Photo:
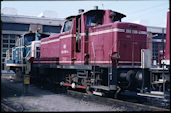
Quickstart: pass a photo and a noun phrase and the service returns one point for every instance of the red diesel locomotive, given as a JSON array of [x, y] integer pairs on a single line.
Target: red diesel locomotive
[[97, 52]]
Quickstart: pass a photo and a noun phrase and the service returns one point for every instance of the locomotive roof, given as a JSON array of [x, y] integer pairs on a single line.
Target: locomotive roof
[[95, 11]]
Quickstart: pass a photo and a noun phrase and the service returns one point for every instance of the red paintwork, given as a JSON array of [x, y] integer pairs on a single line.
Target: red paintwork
[[44, 50], [167, 48], [101, 42], [126, 45], [67, 84], [79, 86]]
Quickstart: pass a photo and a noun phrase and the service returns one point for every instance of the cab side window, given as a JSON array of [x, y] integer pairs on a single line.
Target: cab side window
[[93, 19], [90, 21]]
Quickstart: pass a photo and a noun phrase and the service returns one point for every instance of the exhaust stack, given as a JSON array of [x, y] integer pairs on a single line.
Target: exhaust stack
[[96, 7], [80, 11]]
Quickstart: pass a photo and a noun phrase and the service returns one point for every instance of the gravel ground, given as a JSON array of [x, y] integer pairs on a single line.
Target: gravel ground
[[44, 100], [61, 103]]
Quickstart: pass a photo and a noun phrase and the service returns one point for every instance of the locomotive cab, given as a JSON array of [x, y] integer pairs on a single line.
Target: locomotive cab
[[99, 17]]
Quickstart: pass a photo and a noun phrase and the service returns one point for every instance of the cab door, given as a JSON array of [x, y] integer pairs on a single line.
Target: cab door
[[66, 42], [77, 56]]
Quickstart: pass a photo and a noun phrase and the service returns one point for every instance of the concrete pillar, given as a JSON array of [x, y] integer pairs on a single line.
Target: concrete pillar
[[34, 27]]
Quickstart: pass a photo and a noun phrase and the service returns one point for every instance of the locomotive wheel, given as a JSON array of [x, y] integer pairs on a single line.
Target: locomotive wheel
[[138, 78], [130, 78]]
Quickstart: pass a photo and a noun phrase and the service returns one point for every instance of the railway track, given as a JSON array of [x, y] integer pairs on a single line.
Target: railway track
[[130, 106], [8, 91], [138, 105], [7, 106]]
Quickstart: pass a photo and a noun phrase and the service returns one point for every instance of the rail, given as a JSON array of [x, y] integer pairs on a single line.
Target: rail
[[8, 107], [110, 101]]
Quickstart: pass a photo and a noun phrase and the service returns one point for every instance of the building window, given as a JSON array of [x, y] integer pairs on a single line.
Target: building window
[[12, 41], [4, 55], [5, 36], [5, 41], [5, 45], [12, 36], [15, 26], [52, 29], [4, 50], [12, 46], [2, 66], [3, 60]]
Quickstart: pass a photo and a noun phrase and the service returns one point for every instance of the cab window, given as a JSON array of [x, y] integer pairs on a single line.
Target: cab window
[[28, 39], [90, 21], [94, 18], [116, 17], [67, 26]]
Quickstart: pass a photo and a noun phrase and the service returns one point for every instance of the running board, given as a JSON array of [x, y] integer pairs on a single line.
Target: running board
[[98, 93], [155, 95], [101, 87]]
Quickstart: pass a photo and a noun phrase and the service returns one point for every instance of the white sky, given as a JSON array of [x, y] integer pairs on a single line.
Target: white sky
[[150, 13]]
